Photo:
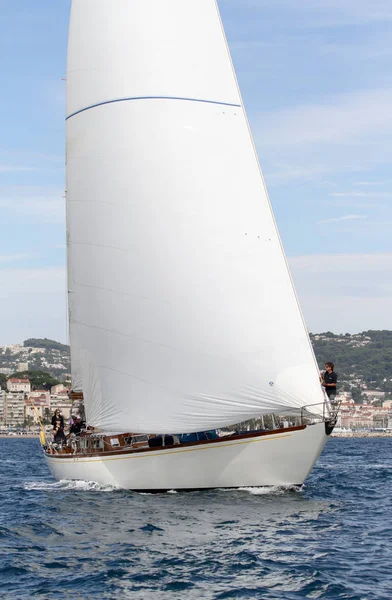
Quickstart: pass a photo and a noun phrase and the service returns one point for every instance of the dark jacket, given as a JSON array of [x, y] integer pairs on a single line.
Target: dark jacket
[[59, 435], [330, 378], [76, 427], [57, 418]]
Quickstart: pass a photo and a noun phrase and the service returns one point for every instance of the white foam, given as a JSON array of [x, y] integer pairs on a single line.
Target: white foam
[[336, 466], [159, 492], [64, 484], [265, 490]]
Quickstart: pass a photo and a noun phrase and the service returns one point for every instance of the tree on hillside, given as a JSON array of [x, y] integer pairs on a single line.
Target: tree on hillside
[[357, 395], [46, 417], [45, 343], [28, 422], [367, 355], [40, 380], [3, 381]]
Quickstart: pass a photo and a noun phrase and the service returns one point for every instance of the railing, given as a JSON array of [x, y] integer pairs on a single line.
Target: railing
[[329, 412]]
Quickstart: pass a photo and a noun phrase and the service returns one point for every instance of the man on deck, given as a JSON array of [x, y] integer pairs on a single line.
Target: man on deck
[[329, 381]]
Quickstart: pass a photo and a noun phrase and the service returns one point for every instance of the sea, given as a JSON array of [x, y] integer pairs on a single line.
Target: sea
[[80, 540]]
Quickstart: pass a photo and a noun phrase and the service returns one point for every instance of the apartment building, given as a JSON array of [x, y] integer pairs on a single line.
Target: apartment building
[[14, 384]]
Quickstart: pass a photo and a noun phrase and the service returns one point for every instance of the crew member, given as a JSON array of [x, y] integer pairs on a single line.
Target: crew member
[[57, 416], [329, 382]]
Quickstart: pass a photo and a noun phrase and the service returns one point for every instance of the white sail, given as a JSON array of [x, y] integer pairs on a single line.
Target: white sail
[[184, 317]]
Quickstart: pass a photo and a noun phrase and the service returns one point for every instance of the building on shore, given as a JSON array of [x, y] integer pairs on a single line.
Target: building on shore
[[37, 406], [62, 402], [2, 407], [363, 416], [14, 410], [14, 384], [56, 389]]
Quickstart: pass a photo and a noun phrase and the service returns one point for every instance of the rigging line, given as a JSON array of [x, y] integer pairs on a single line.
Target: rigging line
[[77, 112]]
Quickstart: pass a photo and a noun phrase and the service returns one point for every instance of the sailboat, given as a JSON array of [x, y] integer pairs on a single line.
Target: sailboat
[[183, 318]]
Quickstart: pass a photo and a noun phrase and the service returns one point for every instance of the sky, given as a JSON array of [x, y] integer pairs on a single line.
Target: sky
[[316, 81]]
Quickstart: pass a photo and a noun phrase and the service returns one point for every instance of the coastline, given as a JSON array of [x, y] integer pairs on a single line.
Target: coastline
[[361, 434], [25, 436], [345, 434]]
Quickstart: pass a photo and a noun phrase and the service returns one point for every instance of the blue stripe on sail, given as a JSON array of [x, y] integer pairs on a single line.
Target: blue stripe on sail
[[151, 98]]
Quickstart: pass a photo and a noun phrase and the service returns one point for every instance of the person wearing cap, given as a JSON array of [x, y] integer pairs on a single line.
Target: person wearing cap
[[76, 426]]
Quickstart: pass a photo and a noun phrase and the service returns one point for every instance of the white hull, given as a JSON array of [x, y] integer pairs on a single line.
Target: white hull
[[278, 459]]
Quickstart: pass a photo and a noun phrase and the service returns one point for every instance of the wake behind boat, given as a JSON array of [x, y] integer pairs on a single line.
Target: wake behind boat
[[182, 312]]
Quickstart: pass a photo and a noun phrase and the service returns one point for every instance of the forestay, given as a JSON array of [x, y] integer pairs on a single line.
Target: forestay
[[183, 316]]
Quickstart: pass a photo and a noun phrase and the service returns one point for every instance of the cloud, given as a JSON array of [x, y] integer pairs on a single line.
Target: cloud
[[338, 196], [30, 156], [326, 13], [371, 266], [349, 194], [361, 194], [39, 280], [15, 169], [369, 196], [346, 134], [13, 257], [359, 205], [344, 218], [281, 173], [30, 163], [337, 292], [344, 292], [34, 301], [369, 183], [344, 119], [34, 203], [252, 45]]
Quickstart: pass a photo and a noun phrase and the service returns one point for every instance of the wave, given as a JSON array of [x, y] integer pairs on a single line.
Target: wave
[[346, 466], [66, 484], [266, 490]]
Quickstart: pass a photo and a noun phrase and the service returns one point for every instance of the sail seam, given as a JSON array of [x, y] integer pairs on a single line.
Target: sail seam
[[144, 340], [268, 397], [225, 401], [77, 112]]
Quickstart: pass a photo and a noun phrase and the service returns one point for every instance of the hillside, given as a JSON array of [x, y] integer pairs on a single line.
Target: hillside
[[362, 358], [45, 343], [36, 354]]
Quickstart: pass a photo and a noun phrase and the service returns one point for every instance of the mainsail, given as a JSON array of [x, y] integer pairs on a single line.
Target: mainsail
[[183, 316]]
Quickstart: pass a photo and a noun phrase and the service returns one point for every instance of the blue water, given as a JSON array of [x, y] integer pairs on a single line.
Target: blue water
[[332, 539]]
